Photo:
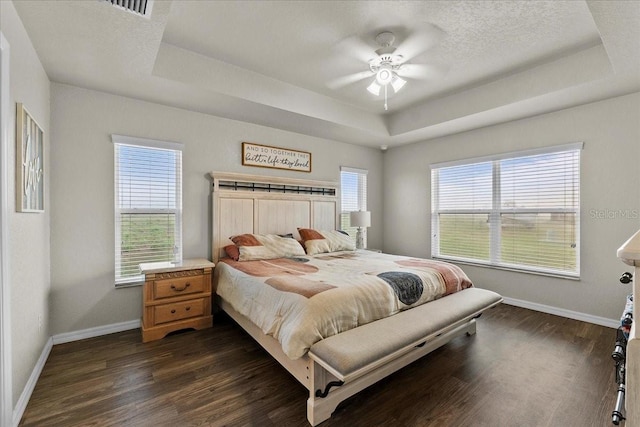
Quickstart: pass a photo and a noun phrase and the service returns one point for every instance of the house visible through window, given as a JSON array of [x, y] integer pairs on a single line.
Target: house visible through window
[[148, 205], [519, 211], [353, 190]]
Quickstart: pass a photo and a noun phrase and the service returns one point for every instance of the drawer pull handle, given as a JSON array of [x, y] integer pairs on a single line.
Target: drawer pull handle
[[186, 285], [173, 312], [188, 308]]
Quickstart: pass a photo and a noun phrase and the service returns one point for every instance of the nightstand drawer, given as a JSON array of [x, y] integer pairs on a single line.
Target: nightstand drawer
[[167, 288], [178, 311]]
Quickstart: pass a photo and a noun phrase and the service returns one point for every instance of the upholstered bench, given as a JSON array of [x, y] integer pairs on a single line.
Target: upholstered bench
[[359, 357]]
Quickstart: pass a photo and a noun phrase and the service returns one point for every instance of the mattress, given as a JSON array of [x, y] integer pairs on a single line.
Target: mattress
[[300, 301]]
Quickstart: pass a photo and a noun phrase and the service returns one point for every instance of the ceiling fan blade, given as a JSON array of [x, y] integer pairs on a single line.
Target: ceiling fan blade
[[355, 47], [423, 71], [339, 82], [421, 40]]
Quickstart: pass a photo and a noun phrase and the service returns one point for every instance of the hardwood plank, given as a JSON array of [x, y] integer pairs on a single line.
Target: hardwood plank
[[522, 368]]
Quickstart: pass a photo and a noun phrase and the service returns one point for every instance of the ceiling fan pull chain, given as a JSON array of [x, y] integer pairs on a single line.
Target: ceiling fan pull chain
[[385, 98]]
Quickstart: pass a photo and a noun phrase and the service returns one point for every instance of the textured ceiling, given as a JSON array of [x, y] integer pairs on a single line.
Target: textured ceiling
[[300, 41], [268, 62]]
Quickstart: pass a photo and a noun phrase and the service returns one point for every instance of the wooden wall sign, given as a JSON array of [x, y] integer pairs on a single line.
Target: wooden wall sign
[[265, 156]]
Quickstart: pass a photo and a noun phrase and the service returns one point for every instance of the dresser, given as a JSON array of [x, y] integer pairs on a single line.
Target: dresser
[[629, 253], [175, 296]]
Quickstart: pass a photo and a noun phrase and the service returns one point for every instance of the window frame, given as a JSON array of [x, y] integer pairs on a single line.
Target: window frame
[[496, 211], [361, 194], [121, 140]]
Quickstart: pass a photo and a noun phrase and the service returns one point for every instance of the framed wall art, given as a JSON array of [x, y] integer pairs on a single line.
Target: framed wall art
[[29, 163], [266, 156]]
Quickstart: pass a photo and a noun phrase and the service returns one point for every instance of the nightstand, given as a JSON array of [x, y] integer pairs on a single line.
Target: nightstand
[[175, 296]]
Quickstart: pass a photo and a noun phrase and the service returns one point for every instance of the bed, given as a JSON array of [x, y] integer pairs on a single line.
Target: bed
[[366, 314]]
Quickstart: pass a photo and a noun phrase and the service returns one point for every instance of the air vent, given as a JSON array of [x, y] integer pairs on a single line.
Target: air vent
[[139, 7]]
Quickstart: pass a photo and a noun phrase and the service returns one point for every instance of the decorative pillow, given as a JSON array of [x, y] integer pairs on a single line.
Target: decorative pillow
[[245, 240], [266, 246], [318, 242], [232, 252]]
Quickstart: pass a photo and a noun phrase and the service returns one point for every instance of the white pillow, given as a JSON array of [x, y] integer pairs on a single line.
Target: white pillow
[[266, 246], [322, 241]]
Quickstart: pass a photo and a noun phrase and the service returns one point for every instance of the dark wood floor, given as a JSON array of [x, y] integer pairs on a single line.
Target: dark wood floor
[[523, 368]]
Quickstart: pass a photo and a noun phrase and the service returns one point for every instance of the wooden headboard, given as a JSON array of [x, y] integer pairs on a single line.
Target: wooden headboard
[[269, 205]]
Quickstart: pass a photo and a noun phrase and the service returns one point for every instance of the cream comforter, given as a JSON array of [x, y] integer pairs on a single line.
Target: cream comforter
[[300, 301]]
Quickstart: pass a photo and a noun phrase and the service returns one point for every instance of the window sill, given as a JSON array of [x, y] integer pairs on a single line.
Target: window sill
[[512, 269], [128, 284]]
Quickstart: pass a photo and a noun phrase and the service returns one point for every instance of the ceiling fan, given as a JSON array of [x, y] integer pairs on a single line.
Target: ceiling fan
[[390, 64]]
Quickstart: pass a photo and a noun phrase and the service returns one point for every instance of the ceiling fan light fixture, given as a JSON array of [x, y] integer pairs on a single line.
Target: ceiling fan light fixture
[[374, 88], [397, 83], [384, 76], [390, 61]]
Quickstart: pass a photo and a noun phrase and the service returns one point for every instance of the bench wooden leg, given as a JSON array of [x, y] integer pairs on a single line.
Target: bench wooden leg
[[471, 330], [319, 409]]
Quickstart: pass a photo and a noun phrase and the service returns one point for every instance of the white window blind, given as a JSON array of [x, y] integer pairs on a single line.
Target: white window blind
[[148, 205], [353, 191], [519, 211]]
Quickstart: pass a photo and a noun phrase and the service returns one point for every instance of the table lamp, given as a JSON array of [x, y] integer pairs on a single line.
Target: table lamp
[[360, 219]]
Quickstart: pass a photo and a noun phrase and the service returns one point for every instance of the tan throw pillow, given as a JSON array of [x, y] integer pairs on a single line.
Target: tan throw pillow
[[323, 241], [266, 246]]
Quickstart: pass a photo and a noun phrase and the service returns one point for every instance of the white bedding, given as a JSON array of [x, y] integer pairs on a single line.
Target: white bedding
[[302, 300]]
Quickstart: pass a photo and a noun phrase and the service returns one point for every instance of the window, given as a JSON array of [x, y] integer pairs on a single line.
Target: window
[[148, 205], [519, 211], [353, 190]]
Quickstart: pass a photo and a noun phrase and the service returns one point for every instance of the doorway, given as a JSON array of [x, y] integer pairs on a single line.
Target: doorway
[[6, 397]]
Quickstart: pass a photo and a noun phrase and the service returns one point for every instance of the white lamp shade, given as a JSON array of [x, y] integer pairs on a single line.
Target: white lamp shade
[[360, 218], [397, 83], [374, 88]]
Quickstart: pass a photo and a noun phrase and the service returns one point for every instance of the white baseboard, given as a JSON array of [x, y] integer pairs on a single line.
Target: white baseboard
[[20, 407], [95, 332], [602, 321]]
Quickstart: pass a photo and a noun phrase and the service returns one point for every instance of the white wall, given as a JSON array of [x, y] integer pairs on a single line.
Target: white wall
[[29, 251], [82, 219], [610, 188]]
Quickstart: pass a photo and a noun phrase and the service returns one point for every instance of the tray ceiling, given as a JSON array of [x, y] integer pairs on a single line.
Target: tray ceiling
[[268, 62]]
